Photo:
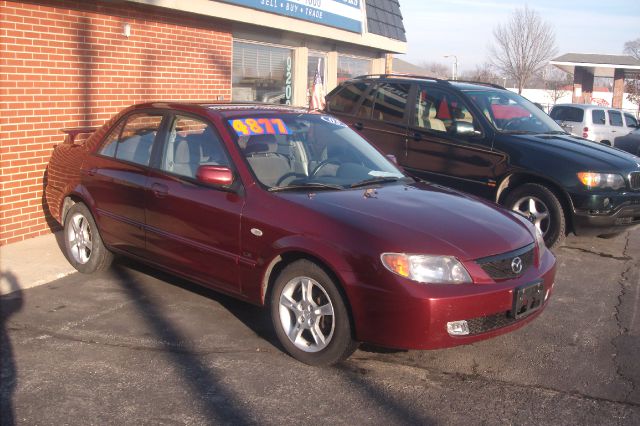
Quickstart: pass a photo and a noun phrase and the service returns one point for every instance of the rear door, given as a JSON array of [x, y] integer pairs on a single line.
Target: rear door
[[439, 151], [616, 125], [570, 118], [382, 118], [193, 228], [116, 176]]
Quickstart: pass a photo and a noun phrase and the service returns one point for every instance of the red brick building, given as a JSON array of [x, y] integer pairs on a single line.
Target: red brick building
[[76, 63]]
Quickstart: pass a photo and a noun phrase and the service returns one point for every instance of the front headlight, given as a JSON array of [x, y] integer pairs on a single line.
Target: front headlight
[[426, 269], [601, 180]]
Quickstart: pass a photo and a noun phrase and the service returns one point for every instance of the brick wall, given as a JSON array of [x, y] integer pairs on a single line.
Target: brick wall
[[66, 64]]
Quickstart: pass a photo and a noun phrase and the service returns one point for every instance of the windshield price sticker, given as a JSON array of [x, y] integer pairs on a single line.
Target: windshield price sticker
[[259, 126]]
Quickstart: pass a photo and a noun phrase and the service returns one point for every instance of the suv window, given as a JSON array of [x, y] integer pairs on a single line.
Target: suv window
[[437, 110], [630, 120], [615, 118], [597, 116], [390, 102], [346, 99], [191, 144], [566, 113]]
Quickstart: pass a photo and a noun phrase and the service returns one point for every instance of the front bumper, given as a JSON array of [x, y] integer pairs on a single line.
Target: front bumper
[[605, 213], [418, 319]]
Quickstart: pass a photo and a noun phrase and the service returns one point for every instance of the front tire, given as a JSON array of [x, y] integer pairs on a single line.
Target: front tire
[[83, 245], [544, 209], [309, 315]]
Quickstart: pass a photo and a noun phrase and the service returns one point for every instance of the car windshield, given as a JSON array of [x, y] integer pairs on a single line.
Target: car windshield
[[293, 151], [511, 113]]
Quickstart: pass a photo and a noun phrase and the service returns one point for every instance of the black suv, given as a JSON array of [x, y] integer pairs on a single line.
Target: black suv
[[491, 142]]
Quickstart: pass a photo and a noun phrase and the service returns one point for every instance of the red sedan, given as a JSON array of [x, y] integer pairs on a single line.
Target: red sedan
[[294, 210]]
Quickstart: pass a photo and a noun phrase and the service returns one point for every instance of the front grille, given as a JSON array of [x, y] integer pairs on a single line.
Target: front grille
[[492, 322], [500, 267], [634, 180]]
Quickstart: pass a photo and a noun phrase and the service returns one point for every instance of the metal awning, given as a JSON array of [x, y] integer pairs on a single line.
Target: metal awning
[[600, 65]]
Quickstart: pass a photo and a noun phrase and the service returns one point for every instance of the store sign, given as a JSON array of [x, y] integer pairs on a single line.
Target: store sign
[[343, 14]]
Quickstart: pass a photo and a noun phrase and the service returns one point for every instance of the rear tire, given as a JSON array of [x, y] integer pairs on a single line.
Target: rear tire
[[542, 205], [309, 315], [84, 248]]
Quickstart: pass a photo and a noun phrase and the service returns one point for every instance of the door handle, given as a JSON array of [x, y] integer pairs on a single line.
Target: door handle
[[160, 190], [358, 126], [92, 172]]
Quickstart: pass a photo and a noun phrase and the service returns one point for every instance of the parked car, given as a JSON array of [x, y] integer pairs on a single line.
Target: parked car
[[594, 122], [295, 211], [629, 143], [491, 142]]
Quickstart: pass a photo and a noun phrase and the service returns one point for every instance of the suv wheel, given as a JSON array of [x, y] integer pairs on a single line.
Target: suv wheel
[[84, 247], [542, 206], [309, 315]]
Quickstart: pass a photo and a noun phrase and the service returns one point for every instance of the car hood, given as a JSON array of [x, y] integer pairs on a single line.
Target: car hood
[[420, 218], [587, 154]]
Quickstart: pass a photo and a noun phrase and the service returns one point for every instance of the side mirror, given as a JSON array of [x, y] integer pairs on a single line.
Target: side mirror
[[220, 176], [465, 128], [392, 158]]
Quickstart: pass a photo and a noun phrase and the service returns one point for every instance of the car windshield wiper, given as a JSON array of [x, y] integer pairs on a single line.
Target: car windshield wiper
[[379, 179], [555, 132], [310, 185], [518, 132]]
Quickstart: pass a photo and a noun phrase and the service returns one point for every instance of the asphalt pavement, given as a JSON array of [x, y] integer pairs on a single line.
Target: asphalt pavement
[[136, 346]]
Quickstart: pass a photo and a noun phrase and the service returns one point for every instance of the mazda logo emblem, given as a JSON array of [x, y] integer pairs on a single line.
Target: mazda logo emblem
[[516, 265]]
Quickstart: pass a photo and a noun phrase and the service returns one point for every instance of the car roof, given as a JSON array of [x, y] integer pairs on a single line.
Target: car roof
[[586, 106], [224, 108]]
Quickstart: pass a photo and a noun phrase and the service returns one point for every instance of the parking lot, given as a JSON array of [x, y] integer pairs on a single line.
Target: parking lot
[[135, 346]]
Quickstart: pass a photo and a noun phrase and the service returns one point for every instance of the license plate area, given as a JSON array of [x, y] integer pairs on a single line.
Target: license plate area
[[527, 299]]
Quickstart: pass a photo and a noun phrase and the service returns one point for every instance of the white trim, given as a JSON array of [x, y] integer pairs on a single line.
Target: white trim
[[591, 65]]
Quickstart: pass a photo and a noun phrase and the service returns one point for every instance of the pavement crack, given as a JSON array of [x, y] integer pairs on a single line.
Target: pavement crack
[[474, 376], [622, 330], [600, 254]]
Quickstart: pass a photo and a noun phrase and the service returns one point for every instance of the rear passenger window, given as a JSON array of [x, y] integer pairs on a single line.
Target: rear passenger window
[[615, 118], [390, 102], [110, 143], [568, 114], [192, 143], [347, 98], [597, 116], [137, 138]]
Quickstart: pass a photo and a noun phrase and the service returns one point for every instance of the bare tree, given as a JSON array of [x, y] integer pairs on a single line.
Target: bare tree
[[632, 47], [483, 73], [556, 82], [523, 46], [632, 85], [436, 69]]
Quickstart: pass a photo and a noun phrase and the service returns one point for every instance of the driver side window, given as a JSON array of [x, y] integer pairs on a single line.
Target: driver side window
[[439, 111]]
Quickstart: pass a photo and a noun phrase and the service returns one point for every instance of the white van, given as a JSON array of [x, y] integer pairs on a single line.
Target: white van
[[593, 122]]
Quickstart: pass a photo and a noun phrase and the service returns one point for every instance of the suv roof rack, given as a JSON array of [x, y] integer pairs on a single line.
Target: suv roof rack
[[410, 76], [482, 83], [426, 77]]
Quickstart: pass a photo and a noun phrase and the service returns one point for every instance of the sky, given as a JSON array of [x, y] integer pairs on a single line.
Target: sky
[[464, 28]]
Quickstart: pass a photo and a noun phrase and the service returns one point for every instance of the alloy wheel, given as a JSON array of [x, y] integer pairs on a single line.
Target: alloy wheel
[[80, 239], [536, 210]]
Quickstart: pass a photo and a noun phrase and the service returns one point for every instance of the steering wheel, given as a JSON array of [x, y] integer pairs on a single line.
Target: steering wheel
[[323, 164], [515, 123], [288, 175]]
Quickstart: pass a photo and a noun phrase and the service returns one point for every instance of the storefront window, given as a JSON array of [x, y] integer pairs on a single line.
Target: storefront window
[[317, 61], [349, 67], [262, 73]]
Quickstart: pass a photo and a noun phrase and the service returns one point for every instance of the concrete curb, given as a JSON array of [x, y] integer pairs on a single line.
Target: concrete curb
[[32, 262]]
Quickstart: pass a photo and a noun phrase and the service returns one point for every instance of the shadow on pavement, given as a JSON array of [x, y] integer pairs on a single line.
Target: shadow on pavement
[[218, 403], [9, 305]]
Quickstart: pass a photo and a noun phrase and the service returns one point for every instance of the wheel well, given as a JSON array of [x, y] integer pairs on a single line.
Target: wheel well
[[68, 202], [605, 142], [514, 181], [283, 260]]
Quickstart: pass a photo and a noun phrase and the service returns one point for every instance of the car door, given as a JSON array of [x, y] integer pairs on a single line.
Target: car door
[[617, 126], [446, 144], [382, 117], [192, 227], [600, 128], [115, 178]]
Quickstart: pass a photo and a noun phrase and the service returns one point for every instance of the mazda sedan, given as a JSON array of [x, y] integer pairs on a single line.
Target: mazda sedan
[[293, 210]]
